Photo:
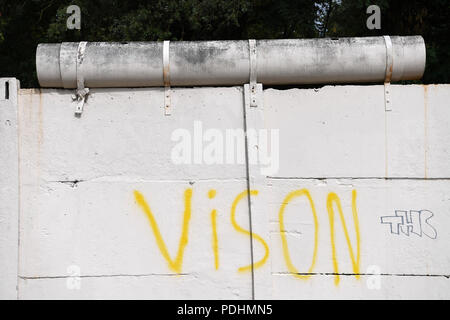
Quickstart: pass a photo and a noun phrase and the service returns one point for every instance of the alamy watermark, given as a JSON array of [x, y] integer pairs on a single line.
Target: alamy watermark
[[74, 20], [373, 281], [219, 146], [374, 20], [73, 281]]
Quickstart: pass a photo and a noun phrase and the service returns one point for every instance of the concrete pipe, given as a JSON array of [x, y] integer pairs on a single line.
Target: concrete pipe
[[203, 63]]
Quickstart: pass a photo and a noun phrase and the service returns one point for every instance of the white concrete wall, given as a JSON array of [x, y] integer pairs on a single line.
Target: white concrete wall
[[84, 235], [9, 188]]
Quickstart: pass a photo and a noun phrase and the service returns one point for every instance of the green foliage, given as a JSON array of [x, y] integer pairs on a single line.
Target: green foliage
[[24, 24]]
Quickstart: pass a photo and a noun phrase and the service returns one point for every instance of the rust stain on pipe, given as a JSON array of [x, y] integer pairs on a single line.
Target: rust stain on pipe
[[166, 75]]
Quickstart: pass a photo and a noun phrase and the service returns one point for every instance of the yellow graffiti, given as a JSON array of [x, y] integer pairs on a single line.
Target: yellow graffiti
[[332, 197], [261, 262], [332, 203], [211, 193], [287, 257], [176, 264], [215, 241]]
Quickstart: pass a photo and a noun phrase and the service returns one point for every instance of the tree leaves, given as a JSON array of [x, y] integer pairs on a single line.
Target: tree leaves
[[24, 24]]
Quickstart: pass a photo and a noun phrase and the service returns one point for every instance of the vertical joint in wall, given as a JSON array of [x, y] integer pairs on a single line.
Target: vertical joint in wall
[[253, 121]]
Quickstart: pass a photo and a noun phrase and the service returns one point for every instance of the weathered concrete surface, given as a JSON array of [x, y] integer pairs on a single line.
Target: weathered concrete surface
[[77, 179], [9, 188], [123, 133], [84, 234], [346, 132], [341, 140]]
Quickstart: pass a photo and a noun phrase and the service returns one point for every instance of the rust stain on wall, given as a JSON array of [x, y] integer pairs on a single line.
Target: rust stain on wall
[[40, 128]]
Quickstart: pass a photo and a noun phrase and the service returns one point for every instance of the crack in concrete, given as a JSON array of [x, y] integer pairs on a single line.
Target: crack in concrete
[[363, 274], [106, 276], [288, 232], [356, 178], [110, 179], [72, 183]]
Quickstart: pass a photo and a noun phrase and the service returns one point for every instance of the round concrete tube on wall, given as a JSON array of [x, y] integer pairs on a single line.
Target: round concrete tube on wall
[[203, 63]]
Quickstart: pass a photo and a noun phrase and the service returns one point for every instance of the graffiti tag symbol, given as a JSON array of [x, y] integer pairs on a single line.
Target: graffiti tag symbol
[[412, 221]]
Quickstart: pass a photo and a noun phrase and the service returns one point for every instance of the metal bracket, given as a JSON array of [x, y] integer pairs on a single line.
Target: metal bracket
[[81, 92], [166, 76], [387, 97], [388, 74], [253, 97], [252, 87]]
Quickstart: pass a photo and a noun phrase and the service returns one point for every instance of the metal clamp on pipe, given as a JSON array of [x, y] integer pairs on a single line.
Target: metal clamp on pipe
[[253, 66], [166, 76], [81, 92], [252, 90]]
